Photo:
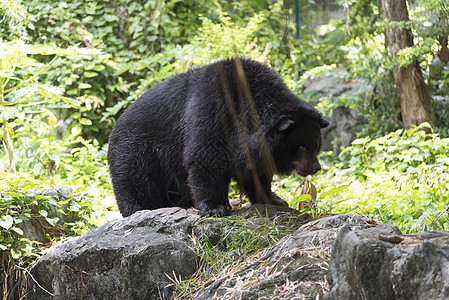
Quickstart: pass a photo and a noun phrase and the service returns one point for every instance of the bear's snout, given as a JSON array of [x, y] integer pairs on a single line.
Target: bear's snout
[[316, 167], [307, 166]]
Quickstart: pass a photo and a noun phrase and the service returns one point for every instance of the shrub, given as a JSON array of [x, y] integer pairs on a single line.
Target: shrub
[[401, 178]]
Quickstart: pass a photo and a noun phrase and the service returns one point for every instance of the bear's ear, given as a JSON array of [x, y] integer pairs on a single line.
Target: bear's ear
[[284, 123], [323, 123]]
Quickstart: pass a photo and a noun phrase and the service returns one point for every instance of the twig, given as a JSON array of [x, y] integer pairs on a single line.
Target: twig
[[9, 148], [346, 7], [32, 77], [35, 281]]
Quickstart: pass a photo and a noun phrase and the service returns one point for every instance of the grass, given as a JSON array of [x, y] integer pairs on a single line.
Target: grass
[[241, 240]]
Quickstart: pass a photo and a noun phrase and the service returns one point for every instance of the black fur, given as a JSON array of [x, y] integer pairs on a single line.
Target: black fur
[[182, 142]]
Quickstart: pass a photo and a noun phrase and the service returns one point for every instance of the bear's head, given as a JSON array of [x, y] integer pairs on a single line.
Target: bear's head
[[300, 143]]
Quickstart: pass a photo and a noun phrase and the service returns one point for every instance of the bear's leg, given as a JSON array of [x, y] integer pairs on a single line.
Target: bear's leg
[[126, 199], [210, 192], [257, 189], [259, 192], [138, 192]]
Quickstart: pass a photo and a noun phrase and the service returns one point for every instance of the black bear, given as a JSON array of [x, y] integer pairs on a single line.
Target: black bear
[[182, 142]]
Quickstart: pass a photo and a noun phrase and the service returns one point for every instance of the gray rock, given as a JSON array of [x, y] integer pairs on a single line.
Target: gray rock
[[58, 192], [389, 267], [344, 121], [294, 268], [33, 229], [134, 257], [334, 83], [124, 259]]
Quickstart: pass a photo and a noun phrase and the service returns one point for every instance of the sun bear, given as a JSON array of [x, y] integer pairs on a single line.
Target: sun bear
[[184, 140]]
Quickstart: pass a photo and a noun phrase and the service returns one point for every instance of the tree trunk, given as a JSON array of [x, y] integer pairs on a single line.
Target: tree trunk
[[411, 90], [443, 55]]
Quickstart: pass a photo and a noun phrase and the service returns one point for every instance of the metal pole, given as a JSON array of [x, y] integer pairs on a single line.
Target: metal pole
[[297, 18]]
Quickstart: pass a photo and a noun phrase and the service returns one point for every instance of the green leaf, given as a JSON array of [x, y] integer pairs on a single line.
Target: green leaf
[[15, 254], [17, 230], [76, 130], [359, 141], [12, 194], [74, 206], [90, 74], [99, 68], [43, 213], [85, 121], [6, 222], [52, 221], [72, 92], [51, 119], [300, 198], [143, 47], [334, 191], [84, 86]]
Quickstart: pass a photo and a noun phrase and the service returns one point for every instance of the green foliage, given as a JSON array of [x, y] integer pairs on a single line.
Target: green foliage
[[320, 50], [31, 216], [37, 160], [357, 43], [226, 40], [365, 17], [14, 20], [300, 193], [25, 102], [215, 41], [429, 20], [88, 79], [132, 34], [363, 55], [123, 27], [400, 178], [158, 67], [71, 161]]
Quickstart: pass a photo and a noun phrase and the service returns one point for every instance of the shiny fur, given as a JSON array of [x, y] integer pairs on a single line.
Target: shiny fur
[[182, 142]]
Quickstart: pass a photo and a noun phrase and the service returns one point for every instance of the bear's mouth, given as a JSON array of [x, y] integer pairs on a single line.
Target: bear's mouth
[[301, 172], [299, 168]]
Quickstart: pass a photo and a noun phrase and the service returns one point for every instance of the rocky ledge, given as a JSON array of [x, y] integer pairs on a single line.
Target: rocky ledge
[[334, 257]]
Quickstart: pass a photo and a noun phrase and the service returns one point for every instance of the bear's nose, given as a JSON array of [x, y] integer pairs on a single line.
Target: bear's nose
[[315, 168]]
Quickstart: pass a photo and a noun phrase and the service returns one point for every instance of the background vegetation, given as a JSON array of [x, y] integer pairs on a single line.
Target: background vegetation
[[69, 68]]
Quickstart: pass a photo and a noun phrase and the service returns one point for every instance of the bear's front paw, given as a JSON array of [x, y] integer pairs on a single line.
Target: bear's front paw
[[278, 201], [214, 209]]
